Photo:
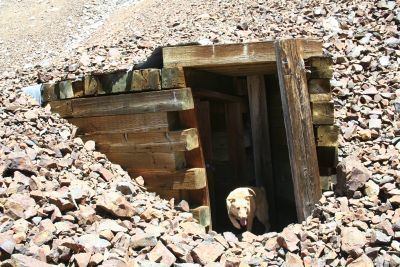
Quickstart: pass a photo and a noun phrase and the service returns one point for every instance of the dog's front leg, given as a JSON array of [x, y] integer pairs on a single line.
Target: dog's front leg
[[250, 223], [234, 221]]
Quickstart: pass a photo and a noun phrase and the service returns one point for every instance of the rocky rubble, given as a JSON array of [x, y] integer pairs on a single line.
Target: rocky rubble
[[64, 203]]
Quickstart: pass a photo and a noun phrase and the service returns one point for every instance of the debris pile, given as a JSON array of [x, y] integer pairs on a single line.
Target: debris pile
[[64, 203]]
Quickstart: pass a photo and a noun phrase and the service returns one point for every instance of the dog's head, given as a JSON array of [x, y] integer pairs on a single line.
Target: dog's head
[[239, 208]]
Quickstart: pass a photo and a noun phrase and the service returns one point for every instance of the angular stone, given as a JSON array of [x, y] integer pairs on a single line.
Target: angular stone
[[93, 243], [27, 261], [293, 260], [192, 228], [162, 255], [207, 252], [115, 204], [371, 189], [288, 240], [351, 176], [352, 238], [143, 240], [362, 261]]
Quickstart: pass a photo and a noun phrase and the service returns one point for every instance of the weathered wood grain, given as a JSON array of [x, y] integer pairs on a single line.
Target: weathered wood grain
[[133, 123], [168, 100], [327, 135], [298, 124], [184, 140], [320, 67], [173, 78], [150, 161], [319, 86], [261, 138], [323, 112], [229, 54], [146, 79], [187, 179]]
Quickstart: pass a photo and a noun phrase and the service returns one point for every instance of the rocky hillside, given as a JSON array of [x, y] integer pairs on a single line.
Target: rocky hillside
[[63, 203]]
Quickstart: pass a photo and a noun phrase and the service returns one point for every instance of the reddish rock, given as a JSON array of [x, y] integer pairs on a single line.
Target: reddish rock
[[162, 255], [293, 260], [351, 176], [207, 252], [362, 261], [115, 204], [288, 240], [192, 228], [352, 238]]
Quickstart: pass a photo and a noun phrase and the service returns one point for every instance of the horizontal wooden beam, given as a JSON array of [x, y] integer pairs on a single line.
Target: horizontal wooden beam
[[133, 123], [322, 112], [327, 135], [188, 179], [146, 142], [146, 79], [229, 54], [157, 101], [173, 78], [150, 161]]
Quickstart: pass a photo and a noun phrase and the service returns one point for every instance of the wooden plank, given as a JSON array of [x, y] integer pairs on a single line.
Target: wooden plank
[[92, 85], [133, 123], [184, 140], [320, 97], [115, 82], [319, 86], [188, 179], [229, 54], [168, 100], [172, 78], [146, 79], [49, 92], [202, 215], [298, 124], [237, 150], [320, 67], [151, 161], [261, 139], [323, 113], [327, 135]]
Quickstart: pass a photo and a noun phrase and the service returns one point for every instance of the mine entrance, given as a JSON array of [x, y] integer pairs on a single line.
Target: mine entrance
[[199, 121]]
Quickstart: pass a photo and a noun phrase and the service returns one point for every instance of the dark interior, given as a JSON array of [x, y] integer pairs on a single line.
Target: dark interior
[[225, 128]]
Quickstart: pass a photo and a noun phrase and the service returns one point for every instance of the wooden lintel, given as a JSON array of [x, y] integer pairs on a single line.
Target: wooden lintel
[[230, 54], [146, 142], [298, 124], [188, 179], [157, 101]]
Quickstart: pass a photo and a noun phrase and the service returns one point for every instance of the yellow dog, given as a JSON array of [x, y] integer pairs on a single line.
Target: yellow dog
[[245, 203]]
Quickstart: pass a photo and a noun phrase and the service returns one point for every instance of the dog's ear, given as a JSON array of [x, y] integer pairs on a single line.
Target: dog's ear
[[230, 200]]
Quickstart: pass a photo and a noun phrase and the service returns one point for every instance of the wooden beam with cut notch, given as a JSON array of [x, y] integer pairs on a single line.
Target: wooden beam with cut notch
[[145, 102], [298, 124], [149, 160], [184, 140], [203, 215], [187, 179], [132, 123]]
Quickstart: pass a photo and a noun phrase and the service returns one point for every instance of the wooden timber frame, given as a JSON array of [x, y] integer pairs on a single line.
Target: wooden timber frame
[[152, 123]]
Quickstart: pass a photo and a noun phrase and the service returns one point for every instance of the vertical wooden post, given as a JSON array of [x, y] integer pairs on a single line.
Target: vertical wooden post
[[261, 140], [237, 151], [205, 134], [298, 124]]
